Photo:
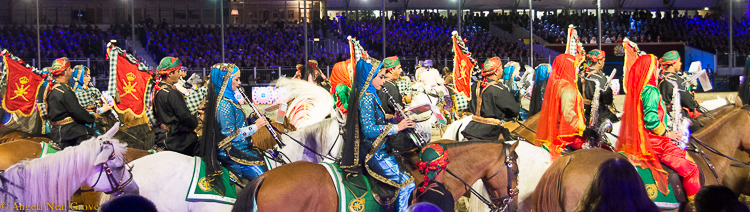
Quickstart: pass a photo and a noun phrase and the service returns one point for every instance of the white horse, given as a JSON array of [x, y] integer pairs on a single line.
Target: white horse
[[165, 176], [423, 94], [49, 182]]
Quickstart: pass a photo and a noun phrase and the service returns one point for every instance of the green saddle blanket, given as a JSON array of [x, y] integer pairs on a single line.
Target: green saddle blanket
[[200, 189], [352, 198], [663, 201], [46, 150]]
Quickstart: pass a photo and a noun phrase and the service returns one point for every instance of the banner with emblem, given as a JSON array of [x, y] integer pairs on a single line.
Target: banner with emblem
[[463, 65], [22, 82], [129, 82]]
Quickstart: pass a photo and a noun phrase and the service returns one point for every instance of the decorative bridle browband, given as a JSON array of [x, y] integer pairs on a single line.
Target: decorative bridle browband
[[113, 183]]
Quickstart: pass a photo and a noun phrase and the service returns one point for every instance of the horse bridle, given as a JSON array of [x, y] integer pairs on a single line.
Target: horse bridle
[[507, 200], [113, 183]]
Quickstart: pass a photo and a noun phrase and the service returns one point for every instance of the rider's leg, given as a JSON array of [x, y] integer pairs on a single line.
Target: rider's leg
[[678, 160], [386, 165]]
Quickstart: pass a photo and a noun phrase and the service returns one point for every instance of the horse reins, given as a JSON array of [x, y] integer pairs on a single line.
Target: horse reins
[[308, 148], [524, 126], [512, 191], [113, 183]]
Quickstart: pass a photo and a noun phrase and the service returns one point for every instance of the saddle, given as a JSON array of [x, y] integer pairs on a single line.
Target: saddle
[[675, 180], [384, 194]]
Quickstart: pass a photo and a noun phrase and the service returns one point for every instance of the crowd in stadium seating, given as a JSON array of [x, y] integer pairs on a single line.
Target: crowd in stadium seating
[[245, 46], [708, 33], [427, 35], [57, 41]]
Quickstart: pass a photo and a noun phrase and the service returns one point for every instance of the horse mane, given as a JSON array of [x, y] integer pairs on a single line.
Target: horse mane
[[54, 178], [720, 121], [308, 135], [716, 113], [309, 103], [546, 196]]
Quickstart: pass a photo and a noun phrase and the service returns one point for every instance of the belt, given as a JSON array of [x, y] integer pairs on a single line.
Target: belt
[[66, 120], [490, 121]]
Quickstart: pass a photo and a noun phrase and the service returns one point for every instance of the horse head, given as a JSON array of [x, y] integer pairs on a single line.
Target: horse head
[[503, 183], [493, 162], [110, 175]]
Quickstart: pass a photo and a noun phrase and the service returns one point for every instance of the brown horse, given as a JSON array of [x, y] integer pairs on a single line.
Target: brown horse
[[20, 149], [566, 180], [310, 188]]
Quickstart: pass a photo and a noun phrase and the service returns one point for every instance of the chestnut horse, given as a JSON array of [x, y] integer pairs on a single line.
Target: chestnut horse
[[310, 188], [566, 180]]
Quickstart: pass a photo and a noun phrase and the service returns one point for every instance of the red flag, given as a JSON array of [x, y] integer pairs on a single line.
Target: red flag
[[131, 86], [462, 66], [631, 55], [22, 87]]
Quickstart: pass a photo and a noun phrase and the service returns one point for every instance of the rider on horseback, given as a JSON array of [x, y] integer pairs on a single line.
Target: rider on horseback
[[226, 137], [392, 67], [366, 121], [88, 96], [540, 84], [492, 105], [68, 118], [644, 136], [171, 111], [592, 68], [671, 66], [561, 123]]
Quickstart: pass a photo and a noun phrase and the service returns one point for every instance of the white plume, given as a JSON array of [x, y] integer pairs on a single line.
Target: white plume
[[310, 103]]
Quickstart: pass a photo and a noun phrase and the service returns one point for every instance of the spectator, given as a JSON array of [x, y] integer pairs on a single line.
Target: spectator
[[423, 207], [616, 187], [128, 203], [717, 198]]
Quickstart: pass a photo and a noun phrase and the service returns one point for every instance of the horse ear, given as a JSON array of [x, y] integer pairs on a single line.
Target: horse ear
[[514, 145], [738, 102], [111, 132], [103, 155]]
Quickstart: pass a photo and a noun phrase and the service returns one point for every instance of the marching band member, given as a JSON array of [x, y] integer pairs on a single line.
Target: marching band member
[[68, 118], [226, 134], [644, 137], [561, 123], [492, 105], [593, 69], [366, 121], [171, 111]]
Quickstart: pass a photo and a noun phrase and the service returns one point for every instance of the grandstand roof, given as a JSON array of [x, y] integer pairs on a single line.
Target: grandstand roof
[[509, 4]]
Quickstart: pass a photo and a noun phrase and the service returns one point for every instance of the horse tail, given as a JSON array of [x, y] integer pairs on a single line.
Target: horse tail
[[246, 197], [548, 192]]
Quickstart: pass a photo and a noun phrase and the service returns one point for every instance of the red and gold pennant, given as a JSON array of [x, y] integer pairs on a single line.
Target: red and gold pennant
[[22, 87], [131, 86], [462, 66]]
